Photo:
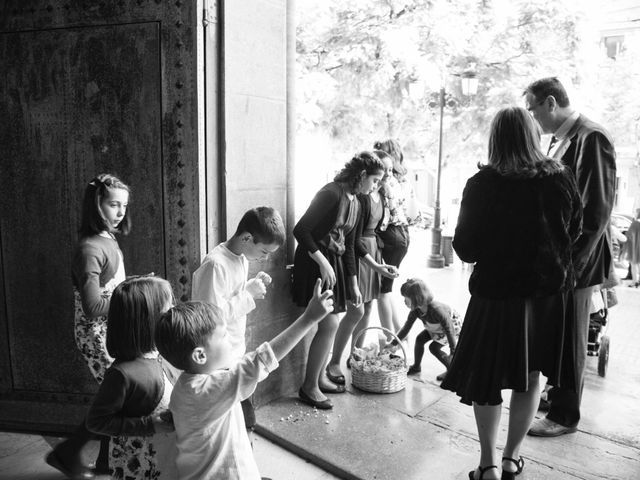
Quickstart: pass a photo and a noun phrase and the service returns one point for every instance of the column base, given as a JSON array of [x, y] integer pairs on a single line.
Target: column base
[[435, 261]]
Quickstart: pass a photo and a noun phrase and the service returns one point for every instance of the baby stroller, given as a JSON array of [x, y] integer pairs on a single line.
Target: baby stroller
[[598, 342]]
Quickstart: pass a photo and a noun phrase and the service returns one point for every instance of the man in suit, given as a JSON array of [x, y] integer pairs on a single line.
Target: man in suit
[[587, 150]]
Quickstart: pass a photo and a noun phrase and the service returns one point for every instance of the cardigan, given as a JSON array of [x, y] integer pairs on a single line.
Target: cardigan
[[318, 221], [129, 393], [519, 232], [365, 212], [95, 262]]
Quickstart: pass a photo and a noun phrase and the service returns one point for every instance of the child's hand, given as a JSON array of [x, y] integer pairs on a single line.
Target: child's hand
[[321, 303], [391, 347], [265, 277], [256, 288], [163, 422]]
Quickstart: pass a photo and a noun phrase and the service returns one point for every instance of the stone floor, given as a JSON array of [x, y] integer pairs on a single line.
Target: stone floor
[[423, 432]]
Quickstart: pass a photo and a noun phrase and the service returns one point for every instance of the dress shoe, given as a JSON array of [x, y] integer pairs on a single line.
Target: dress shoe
[[74, 472], [319, 404], [413, 369], [547, 428]]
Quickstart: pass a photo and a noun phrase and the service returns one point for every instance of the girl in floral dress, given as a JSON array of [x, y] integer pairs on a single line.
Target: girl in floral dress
[[132, 403], [97, 268]]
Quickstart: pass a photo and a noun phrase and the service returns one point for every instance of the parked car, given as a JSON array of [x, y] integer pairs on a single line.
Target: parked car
[[621, 221]]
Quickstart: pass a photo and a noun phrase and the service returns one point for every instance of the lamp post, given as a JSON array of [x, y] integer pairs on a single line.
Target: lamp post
[[469, 85]]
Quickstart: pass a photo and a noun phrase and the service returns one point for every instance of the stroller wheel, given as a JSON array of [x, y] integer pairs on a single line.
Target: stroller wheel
[[603, 356]]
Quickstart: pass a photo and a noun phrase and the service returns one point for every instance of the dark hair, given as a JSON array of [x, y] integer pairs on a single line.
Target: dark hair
[[392, 147], [550, 86], [92, 220], [351, 172], [264, 224], [183, 328], [382, 155], [417, 292], [514, 145], [136, 305]]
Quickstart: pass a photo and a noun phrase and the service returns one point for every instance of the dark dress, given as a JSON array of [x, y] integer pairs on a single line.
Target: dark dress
[[519, 233], [328, 225], [370, 219]]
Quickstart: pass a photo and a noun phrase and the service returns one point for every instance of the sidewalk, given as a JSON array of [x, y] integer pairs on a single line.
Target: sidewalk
[[424, 432]]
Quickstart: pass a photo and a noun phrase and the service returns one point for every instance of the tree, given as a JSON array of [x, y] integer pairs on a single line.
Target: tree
[[359, 62]]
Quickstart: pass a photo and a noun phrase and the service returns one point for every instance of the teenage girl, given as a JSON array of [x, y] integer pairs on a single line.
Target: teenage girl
[[394, 230], [441, 324], [131, 405], [326, 234], [371, 269], [96, 270]]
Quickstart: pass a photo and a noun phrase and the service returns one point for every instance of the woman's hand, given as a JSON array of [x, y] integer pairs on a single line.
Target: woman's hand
[[327, 274], [389, 271]]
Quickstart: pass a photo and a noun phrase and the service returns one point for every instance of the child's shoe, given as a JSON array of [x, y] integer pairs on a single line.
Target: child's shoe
[[414, 369]]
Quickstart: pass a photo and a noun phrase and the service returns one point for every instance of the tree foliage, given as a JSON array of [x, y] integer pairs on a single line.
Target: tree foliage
[[372, 69]]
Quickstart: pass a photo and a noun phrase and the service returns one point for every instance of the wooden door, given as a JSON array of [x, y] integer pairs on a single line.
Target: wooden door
[[87, 88]]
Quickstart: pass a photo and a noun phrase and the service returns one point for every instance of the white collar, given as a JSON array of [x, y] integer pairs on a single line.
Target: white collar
[[566, 126]]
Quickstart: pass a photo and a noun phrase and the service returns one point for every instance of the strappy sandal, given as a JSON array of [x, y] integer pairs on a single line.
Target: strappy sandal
[[519, 466], [482, 470]]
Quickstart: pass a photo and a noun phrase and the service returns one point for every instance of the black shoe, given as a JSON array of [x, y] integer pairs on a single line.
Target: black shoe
[[414, 369], [74, 472], [321, 405]]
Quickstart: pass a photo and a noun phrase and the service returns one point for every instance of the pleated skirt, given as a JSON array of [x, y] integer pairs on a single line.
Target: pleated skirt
[[502, 341]]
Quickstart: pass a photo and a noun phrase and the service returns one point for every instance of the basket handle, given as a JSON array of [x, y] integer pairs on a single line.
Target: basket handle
[[404, 353]]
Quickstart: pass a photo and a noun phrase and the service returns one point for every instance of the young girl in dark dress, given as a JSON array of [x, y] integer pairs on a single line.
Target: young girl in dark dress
[[371, 270], [326, 234], [519, 218]]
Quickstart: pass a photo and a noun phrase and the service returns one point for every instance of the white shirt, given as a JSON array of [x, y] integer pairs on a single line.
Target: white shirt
[[561, 135], [222, 280], [211, 434]]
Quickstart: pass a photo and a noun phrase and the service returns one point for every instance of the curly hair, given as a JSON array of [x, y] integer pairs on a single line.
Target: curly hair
[[351, 173]]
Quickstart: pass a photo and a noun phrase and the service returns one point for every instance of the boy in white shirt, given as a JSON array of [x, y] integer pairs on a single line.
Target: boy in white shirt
[[205, 403], [221, 279]]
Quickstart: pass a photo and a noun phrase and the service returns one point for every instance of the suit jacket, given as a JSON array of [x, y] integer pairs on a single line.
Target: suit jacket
[[588, 152]]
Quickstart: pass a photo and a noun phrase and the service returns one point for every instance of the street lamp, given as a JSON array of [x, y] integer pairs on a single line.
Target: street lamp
[[469, 86]]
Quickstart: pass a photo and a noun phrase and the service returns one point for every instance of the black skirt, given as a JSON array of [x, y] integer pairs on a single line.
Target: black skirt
[[305, 273], [502, 341]]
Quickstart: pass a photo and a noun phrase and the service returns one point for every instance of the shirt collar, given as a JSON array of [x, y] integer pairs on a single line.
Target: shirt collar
[[566, 126]]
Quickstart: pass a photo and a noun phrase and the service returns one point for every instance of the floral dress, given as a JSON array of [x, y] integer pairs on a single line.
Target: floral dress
[[91, 332], [146, 458]]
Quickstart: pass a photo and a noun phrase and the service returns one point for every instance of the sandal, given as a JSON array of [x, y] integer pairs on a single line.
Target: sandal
[[519, 466], [482, 471]]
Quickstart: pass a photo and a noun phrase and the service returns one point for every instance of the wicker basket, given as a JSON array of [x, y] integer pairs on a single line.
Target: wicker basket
[[379, 382]]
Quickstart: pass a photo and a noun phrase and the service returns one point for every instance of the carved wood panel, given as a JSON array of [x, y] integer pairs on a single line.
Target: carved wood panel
[[87, 87]]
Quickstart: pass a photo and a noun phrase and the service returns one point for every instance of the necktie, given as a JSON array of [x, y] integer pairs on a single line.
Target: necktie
[[553, 141]]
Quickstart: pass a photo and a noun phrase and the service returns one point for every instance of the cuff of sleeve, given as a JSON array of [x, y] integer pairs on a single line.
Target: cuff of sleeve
[[267, 357]]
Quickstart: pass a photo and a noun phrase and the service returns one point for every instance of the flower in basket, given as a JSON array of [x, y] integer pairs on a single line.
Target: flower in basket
[[370, 359]]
